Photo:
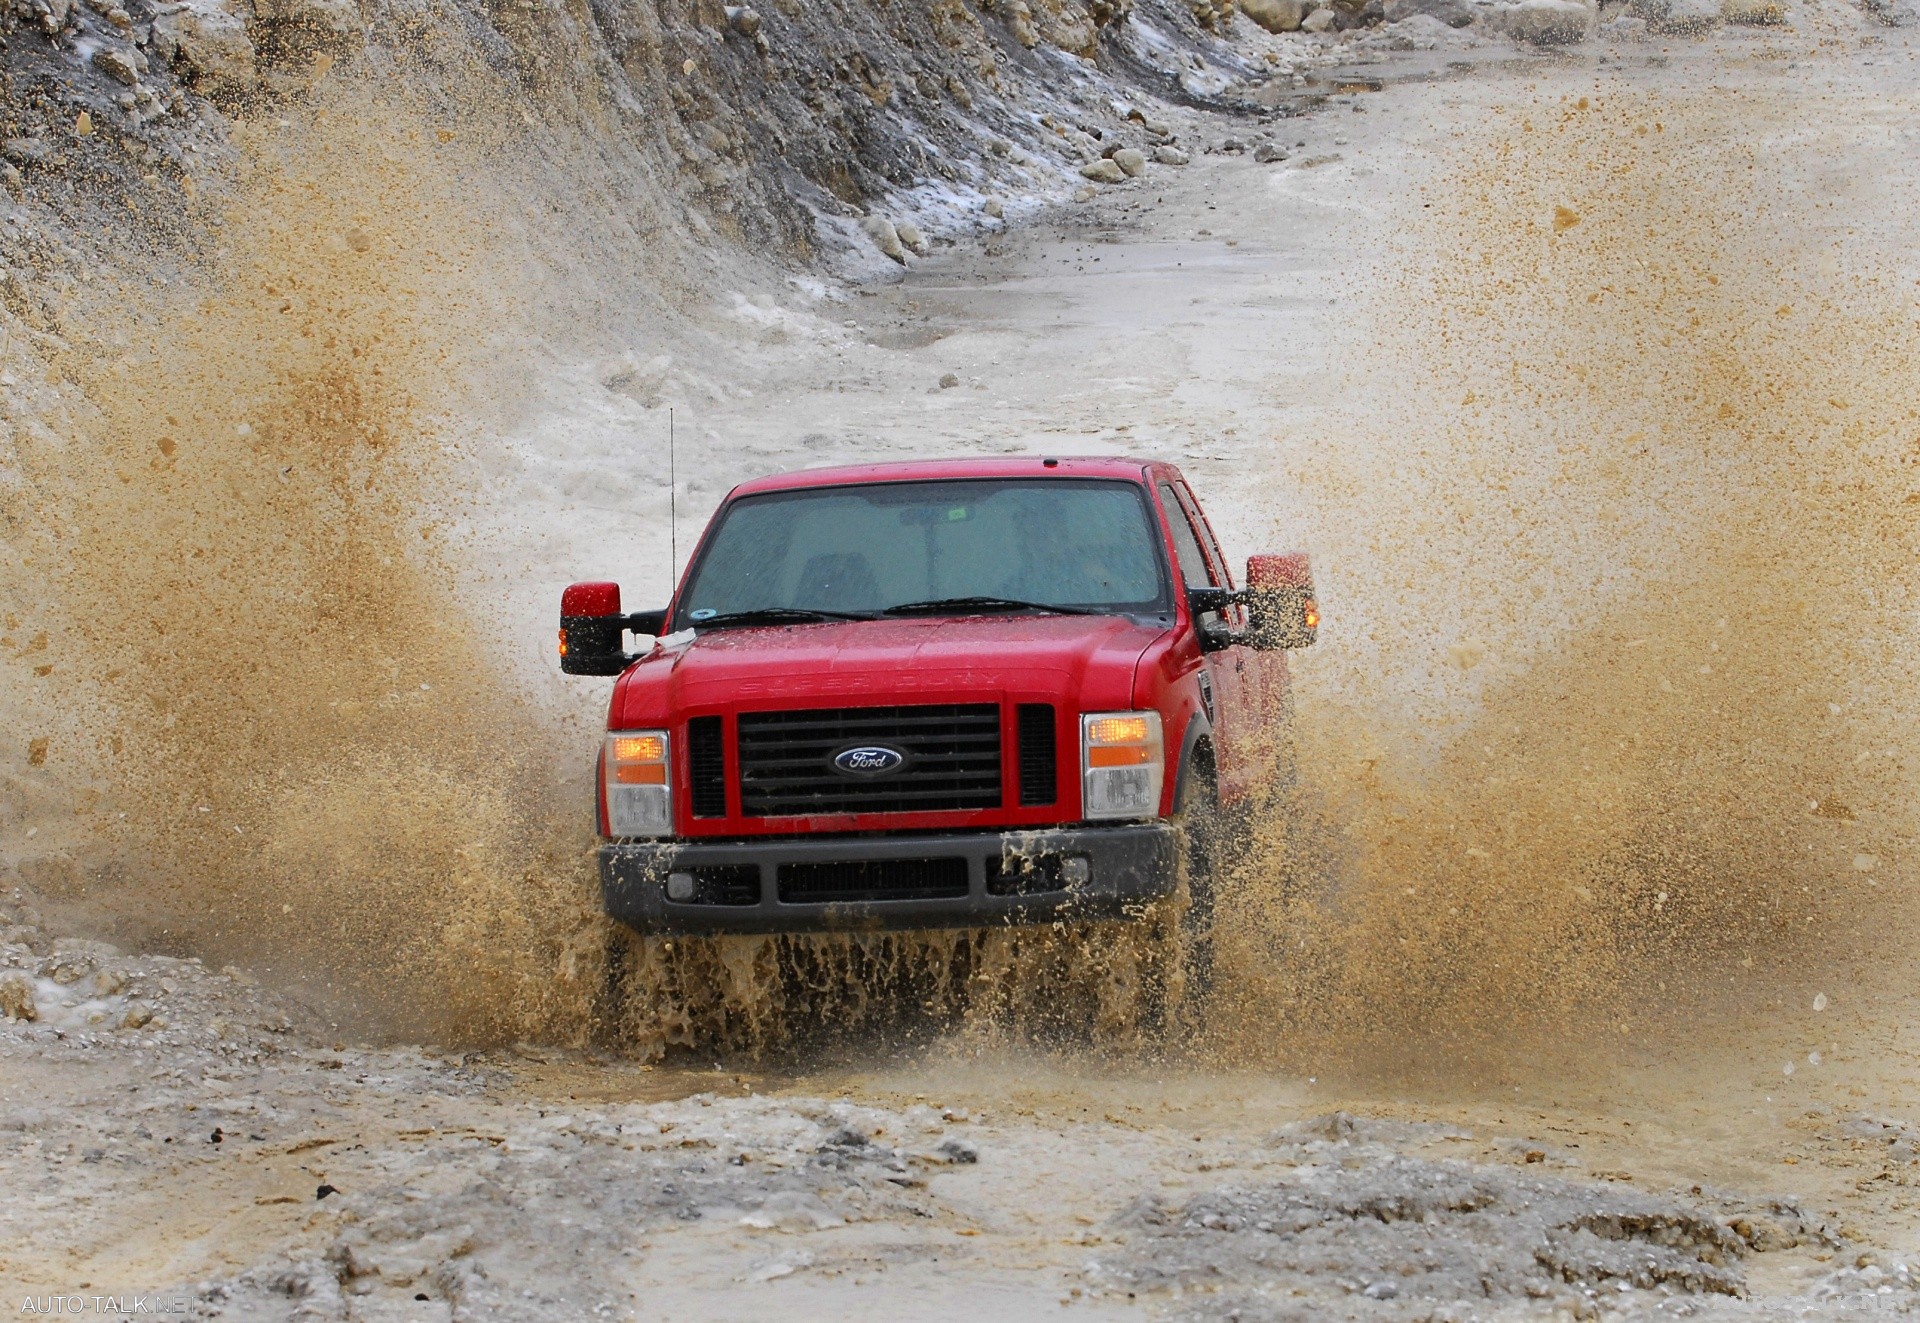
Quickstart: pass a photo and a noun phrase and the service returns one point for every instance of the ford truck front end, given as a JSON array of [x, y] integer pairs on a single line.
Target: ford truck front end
[[934, 695]]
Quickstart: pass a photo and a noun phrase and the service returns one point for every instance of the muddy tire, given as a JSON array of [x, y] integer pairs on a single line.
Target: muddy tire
[[1198, 818]]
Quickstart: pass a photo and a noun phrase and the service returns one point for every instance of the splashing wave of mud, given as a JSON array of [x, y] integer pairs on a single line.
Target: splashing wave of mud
[[312, 760], [1627, 551]]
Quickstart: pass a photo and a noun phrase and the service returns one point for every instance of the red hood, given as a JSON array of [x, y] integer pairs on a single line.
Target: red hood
[[1081, 662]]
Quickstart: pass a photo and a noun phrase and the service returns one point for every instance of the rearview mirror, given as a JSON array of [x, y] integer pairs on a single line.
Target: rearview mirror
[[1281, 610], [593, 630]]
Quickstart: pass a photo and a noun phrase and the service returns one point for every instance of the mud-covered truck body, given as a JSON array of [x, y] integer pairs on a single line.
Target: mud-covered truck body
[[934, 695]]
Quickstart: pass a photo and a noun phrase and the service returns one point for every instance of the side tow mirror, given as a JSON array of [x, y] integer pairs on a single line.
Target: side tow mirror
[[1281, 610], [593, 630]]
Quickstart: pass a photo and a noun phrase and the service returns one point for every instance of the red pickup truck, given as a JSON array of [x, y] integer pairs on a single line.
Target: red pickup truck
[[933, 695]]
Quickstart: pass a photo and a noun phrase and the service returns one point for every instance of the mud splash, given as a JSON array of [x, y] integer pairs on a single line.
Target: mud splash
[[307, 757], [1632, 542], [1071, 988]]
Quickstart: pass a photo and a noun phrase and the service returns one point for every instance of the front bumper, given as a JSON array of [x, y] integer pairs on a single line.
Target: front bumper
[[868, 883]]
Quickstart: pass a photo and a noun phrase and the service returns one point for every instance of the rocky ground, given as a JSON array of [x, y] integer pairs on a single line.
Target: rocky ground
[[172, 1134]]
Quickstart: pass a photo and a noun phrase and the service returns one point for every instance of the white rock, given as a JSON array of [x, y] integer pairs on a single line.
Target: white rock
[[117, 65], [791, 1210], [1454, 13], [1170, 156], [910, 235], [208, 44], [885, 237], [1020, 23], [1549, 22], [1104, 172], [1320, 20], [994, 208], [1132, 161], [1421, 32], [1085, 193], [16, 996], [1276, 15], [27, 151], [1689, 16]]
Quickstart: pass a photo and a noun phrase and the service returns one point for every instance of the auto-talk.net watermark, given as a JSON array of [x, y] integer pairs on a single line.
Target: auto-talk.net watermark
[[110, 1306]]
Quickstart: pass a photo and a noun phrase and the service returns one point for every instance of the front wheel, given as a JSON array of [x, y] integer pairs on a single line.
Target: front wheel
[[1197, 815]]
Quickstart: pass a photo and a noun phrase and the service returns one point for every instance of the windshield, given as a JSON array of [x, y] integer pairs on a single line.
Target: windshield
[[867, 549]]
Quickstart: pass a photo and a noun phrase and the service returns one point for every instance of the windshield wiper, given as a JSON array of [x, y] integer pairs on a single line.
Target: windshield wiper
[[962, 605], [778, 615]]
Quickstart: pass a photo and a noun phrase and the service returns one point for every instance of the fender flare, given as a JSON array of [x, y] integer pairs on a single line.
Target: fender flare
[[1199, 728]]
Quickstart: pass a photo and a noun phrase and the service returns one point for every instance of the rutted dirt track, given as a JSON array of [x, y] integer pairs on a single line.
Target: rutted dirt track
[[1588, 384]]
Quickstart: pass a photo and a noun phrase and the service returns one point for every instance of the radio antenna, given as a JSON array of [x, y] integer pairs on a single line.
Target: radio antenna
[[673, 514]]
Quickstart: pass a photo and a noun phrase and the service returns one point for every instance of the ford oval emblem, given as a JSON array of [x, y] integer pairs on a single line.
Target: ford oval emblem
[[869, 760]]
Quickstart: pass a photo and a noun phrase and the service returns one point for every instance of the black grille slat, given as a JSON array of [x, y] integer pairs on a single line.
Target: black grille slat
[[1039, 755], [872, 879], [707, 767], [953, 760]]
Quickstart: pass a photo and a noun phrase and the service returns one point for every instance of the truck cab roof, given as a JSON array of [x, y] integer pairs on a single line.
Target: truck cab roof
[[997, 466]]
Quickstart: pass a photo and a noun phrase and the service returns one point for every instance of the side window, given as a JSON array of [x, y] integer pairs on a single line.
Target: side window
[[1223, 574], [1193, 562]]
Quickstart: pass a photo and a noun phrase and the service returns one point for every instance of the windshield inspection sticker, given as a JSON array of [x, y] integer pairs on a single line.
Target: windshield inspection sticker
[[704, 613]]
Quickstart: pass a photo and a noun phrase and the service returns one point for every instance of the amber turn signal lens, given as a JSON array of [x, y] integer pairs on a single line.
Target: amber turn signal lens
[[1118, 755], [1310, 612], [1118, 730], [640, 774], [638, 748], [563, 643]]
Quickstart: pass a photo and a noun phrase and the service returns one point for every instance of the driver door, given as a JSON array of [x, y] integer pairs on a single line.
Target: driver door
[[1229, 680]]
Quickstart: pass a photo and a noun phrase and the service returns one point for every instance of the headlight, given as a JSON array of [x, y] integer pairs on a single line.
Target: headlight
[[1122, 761], [639, 791]]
